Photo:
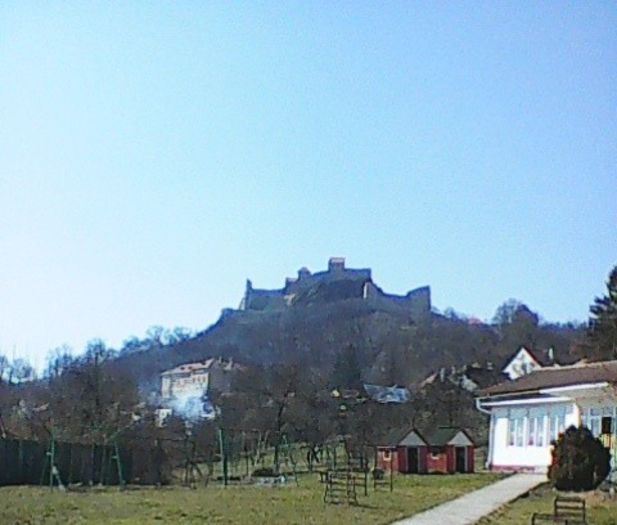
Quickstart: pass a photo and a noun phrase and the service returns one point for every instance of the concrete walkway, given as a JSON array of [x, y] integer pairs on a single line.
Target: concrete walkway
[[469, 508]]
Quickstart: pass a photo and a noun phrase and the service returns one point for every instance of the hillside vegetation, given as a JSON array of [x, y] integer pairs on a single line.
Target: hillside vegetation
[[390, 346], [295, 354]]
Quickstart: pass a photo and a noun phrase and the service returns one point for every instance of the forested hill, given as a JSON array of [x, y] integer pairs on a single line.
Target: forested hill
[[388, 345], [322, 334]]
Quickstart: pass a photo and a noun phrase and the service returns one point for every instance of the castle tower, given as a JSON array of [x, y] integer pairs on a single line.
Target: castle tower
[[336, 264], [244, 304]]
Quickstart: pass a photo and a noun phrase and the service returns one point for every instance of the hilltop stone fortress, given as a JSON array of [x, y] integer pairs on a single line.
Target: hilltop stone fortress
[[337, 282]]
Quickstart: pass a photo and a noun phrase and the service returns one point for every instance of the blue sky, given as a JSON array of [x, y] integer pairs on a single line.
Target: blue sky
[[155, 155]]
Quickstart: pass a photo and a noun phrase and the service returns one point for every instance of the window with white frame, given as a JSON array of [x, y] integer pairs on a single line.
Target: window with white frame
[[531, 432], [536, 428], [600, 420], [593, 421], [520, 432], [511, 432], [536, 433], [541, 435], [516, 428], [557, 423]]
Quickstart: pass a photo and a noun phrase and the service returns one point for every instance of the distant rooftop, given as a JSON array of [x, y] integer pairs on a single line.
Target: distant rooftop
[[201, 366], [387, 394], [553, 377]]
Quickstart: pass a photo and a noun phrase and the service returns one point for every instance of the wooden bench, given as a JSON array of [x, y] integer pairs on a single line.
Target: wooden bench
[[566, 511]]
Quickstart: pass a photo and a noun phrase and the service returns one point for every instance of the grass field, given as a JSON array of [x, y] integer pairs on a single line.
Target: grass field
[[600, 511], [237, 504]]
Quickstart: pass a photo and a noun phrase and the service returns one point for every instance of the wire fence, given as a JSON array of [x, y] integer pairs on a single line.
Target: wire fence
[[31, 462]]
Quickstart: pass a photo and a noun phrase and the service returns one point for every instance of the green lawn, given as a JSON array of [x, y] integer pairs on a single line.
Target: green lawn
[[600, 511], [237, 504]]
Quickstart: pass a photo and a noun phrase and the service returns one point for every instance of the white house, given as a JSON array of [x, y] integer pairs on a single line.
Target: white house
[[527, 414], [185, 388], [197, 379], [526, 361]]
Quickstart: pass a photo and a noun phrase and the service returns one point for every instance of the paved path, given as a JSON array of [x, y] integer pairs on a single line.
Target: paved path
[[469, 508]]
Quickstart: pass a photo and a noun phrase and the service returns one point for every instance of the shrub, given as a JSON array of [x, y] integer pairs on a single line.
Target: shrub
[[580, 461]]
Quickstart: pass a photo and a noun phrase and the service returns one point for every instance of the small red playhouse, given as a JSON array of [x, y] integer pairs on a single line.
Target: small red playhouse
[[445, 450]]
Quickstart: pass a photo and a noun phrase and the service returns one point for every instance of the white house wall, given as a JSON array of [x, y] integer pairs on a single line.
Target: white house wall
[[504, 456], [185, 384]]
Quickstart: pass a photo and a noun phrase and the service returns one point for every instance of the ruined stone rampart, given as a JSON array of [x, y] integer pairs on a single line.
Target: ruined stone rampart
[[418, 301]]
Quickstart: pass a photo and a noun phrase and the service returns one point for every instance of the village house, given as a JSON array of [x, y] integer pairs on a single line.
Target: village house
[[197, 379], [186, 389], [529, 413], [444, 450], [526, 361], [387, 394]]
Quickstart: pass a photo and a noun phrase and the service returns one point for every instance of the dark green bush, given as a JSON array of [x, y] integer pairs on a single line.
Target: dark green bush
[[580, 461]]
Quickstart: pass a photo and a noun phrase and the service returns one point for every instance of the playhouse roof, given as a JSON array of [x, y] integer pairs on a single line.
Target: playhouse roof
[[442, 436], [394, 437], [437, 437]]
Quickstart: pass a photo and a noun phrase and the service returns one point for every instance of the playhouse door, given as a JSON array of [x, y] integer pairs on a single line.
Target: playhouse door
[[461, 459], [412, 460]]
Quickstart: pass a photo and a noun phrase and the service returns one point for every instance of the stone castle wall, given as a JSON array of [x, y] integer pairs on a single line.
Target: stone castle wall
[[418, 301]]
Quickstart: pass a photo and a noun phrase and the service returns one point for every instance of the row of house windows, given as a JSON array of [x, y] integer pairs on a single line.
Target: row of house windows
[[536, 427], [540, 427], [190, 380], [599, 420]]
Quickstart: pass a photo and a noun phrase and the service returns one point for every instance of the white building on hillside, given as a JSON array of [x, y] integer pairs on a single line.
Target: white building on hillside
[[185, 389], [197, 379], [527, 414], [526, 361]]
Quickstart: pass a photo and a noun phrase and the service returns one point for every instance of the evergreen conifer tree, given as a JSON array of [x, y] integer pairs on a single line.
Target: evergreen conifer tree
[[579, 461], [603, 322]]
